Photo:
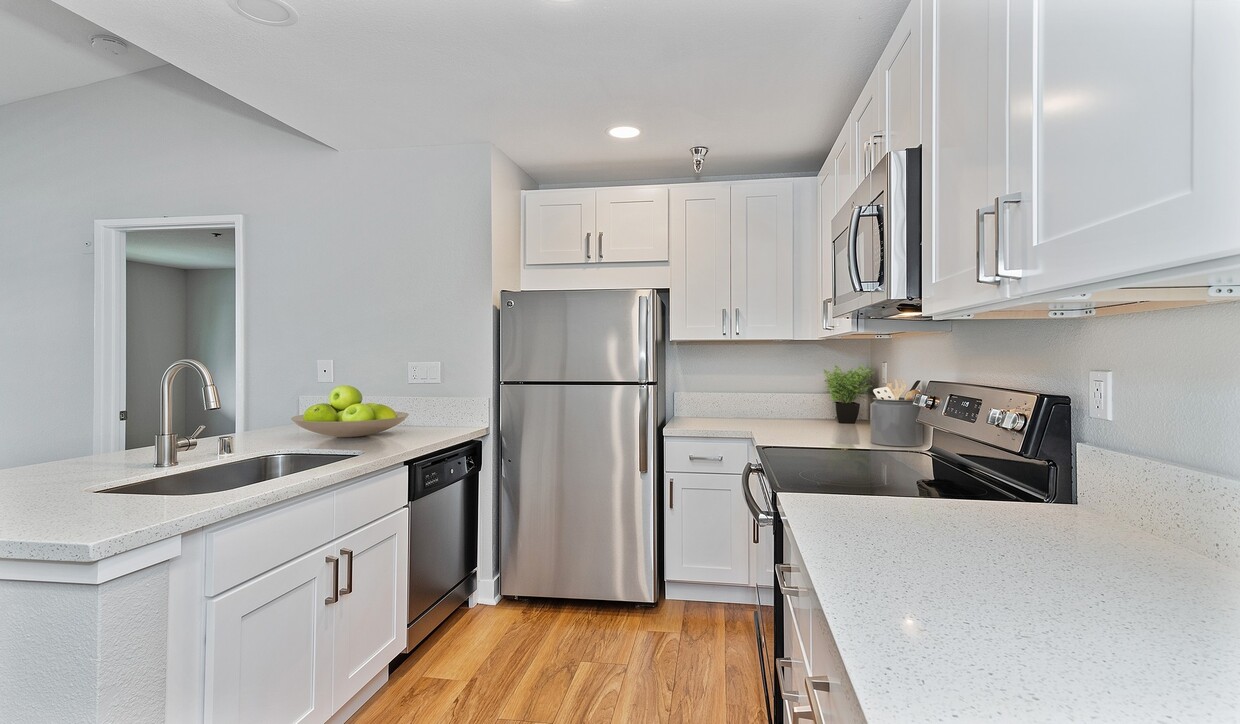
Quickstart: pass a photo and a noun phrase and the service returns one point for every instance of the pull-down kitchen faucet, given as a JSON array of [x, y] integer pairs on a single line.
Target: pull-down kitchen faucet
[[167, 443]]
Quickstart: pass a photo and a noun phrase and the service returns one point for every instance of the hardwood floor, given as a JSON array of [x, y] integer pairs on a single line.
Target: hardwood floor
[[561, 662]]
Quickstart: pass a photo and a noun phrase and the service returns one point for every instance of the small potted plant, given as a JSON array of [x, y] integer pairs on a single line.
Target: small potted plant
[[845, 386]]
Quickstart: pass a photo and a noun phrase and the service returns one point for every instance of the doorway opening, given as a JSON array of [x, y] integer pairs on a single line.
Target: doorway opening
[[166, 289]]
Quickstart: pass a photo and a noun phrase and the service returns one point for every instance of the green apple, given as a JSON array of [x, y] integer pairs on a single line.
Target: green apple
[[357, 413], [319, 413], [382, 412], [343, 396]]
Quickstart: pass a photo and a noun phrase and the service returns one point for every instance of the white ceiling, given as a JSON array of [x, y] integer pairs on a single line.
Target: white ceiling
[[182, 248], [764, 83], [45, 48]]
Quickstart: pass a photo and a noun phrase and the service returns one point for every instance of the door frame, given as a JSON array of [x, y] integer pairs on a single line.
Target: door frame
[[110, 339]]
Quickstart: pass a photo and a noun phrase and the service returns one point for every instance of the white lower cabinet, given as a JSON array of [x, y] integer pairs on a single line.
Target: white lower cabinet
[[709, 551], [812, 680], [705, 526], [297, 643]]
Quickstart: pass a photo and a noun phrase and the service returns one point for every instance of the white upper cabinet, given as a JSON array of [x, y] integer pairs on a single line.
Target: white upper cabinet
[[957, 158], [901, 69], [1077, 146], [559, 226], [589, 226], [826, 266], [867, 121], [762, 268], [731, 261], [1133, 139]]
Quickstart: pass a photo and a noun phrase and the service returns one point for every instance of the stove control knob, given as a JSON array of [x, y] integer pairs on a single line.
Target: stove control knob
[[926, 401], [1007, 419]]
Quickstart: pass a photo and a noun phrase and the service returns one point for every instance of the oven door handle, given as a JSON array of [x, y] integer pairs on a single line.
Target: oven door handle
[[761, 517]]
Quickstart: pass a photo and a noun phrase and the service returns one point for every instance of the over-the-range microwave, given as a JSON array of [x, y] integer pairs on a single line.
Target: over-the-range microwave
[[877, 241]]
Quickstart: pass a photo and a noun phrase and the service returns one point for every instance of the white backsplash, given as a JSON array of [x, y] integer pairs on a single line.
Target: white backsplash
[[425, 411], [1190, 508], [764, 405]]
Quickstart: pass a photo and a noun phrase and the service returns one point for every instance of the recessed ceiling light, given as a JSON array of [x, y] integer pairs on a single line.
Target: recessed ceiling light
[[109, 44], [624, 132], [267, 12]]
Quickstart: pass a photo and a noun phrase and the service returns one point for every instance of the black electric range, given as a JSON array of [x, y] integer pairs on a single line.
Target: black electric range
[[988, 443]]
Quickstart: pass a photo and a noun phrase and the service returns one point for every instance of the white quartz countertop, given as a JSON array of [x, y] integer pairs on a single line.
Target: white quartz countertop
[[782, 432], [48, 512], [954, 610]]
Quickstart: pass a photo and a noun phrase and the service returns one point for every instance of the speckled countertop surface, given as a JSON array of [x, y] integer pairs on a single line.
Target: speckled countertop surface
[[782, 432], [952, 610], [48, 512]]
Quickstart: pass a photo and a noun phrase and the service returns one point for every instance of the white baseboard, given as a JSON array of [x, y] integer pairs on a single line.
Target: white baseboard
[[488, 591], [716, 593]]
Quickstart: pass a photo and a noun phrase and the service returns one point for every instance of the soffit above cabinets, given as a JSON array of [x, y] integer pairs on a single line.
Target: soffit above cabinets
[[765, 84]]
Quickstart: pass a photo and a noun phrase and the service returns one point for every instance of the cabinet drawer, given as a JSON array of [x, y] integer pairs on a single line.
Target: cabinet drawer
[[371, 498], [239, 551], [825, 662], [698, 456]]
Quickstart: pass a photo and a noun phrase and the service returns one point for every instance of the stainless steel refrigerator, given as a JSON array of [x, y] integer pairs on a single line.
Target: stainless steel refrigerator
[[580, 417]]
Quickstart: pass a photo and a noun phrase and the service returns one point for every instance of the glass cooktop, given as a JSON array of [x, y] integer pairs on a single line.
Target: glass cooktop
[[872, 472]]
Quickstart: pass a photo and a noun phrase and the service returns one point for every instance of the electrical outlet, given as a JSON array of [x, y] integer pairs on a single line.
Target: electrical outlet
[[326, 371], [1100, 395], [421, 373]]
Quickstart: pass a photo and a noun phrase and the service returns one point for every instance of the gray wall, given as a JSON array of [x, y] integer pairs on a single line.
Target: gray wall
[[370, 258], [1176, 388], [211, 338], [155, 336]]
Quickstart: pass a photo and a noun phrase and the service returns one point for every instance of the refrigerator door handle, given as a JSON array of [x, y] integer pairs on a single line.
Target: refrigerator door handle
[[643, 333], [643, 446]]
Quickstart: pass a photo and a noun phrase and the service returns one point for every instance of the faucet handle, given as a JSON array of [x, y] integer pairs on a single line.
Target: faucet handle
[[225, 445], [191, 442]]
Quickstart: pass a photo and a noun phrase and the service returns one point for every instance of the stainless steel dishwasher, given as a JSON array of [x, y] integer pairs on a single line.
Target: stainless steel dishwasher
[[443, 536]]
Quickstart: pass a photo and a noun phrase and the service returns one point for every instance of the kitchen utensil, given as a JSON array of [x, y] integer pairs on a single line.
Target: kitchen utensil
[[897, 389], [349, 429], [883, 393]]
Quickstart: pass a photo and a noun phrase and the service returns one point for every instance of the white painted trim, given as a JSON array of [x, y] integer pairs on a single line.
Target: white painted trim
[[359, 699], [716, 593], [488, 591], [95, 572], [109, 377]]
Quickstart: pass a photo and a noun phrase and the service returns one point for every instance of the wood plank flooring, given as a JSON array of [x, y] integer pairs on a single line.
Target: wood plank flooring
[[562, 662]]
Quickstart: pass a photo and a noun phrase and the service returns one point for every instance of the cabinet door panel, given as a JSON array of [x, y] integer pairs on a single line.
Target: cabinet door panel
[[959, 159], [901, 65], [762, 266], [556, 224], [269, 647], [706, 526], [867, 127], [370, 620], [632, 224], [700, 262], [826, 254]]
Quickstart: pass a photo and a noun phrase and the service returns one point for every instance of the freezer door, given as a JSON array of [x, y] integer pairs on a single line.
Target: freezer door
[[579, 336], [577, 498]]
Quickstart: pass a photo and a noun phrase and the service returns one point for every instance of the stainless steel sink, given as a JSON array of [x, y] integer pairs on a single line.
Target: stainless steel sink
[[230, 475]]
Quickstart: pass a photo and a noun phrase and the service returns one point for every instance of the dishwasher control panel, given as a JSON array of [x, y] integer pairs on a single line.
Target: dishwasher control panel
[[429, 474]]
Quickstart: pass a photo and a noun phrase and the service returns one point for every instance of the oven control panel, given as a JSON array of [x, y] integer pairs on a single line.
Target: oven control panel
[[992, 415]]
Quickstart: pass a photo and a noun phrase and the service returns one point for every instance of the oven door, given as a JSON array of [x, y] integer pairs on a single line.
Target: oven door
[[765, 618]]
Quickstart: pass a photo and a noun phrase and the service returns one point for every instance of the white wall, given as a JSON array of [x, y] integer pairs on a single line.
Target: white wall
[[155, 309], [1176, 392], [758, 366], [370, 258]]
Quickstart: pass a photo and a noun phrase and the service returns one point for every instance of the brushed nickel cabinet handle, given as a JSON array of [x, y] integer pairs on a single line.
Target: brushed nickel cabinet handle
[[335, 563], [737, 320], [724, 314], [1001, 242], [588, 245], [786, 692], [708, 458], [671, 493], [600, 246], [814, 685], [782, 570], [348, 581], [982, 276]]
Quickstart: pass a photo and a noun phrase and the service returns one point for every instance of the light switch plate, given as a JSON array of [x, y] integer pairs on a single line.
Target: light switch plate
[[326, 370]]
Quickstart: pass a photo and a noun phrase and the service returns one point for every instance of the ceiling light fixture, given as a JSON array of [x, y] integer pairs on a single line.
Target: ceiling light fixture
[[699, 155], [267, 12], [624, 132], [109, 44]]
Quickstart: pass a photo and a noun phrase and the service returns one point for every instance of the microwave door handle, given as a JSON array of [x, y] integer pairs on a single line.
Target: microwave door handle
[[854, 268]]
